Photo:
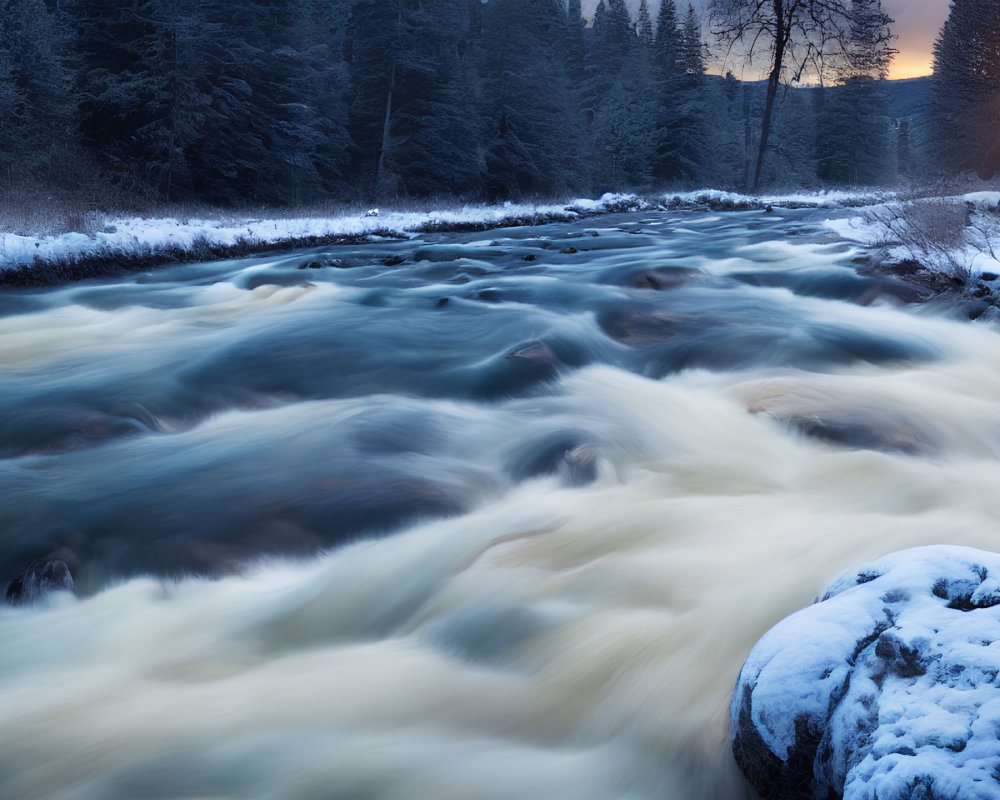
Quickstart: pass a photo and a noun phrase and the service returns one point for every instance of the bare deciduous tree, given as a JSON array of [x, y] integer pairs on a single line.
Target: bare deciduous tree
[[792, 33]]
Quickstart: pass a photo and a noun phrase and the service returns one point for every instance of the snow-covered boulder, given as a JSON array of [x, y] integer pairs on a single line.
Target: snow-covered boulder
[[886, 689]]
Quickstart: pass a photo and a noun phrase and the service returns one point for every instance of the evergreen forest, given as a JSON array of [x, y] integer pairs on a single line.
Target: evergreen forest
[[287, 102]]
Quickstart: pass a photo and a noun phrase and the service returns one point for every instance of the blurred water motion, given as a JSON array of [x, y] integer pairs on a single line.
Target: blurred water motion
[[470, 525]]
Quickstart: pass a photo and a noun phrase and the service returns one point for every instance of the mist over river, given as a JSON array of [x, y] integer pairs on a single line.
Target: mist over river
[[476, 516]]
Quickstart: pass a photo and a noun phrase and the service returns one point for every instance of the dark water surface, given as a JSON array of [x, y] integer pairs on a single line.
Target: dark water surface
[[542, 489]]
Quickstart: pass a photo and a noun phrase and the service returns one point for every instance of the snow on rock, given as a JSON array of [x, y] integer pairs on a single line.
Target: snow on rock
[[611, 202], [885, 689]]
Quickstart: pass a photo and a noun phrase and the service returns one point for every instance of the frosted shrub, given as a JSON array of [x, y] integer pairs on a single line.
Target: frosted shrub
[[933, 231]]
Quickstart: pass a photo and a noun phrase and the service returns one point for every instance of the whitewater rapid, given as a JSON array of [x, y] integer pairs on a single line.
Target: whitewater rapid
[[334, 538]]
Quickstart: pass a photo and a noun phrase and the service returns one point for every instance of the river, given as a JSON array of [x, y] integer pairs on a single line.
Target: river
[[471, 516]]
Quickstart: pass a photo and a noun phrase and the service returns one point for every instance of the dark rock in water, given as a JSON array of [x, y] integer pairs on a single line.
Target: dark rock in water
[[886, 688], [276, 279], [441, 303], [989, 276], [891, 436], [640, 326], [661, 278], [310, 265], [569, 251], [393, 261], [37, 579], [531, 257]]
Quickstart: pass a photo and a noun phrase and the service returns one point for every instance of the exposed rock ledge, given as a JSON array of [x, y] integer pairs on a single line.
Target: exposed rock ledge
[[885, 689]]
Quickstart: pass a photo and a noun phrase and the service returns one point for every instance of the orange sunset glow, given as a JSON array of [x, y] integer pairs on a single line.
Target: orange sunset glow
[[917, 26]]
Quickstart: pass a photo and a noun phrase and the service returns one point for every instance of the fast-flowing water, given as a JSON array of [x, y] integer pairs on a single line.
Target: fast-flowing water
[[467, 517]]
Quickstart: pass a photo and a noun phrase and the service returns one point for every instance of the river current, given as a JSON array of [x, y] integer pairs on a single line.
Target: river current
[[473, 516]]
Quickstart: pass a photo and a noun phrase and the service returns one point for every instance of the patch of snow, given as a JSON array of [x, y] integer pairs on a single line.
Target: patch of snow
[[822, 199], [856, 229], [983, 200], [610, 202]]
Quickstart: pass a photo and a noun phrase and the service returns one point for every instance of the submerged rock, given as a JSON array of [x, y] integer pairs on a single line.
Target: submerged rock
[[660, 278], [37, 579], [886, 688]]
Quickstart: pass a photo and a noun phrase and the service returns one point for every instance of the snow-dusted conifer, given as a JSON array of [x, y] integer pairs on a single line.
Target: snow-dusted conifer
[[854, 132], [644, 25], [966, 88]]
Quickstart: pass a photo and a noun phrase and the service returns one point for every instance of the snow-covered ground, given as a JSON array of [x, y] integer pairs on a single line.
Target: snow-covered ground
[[954, 235], [132, 236], [830, 199]]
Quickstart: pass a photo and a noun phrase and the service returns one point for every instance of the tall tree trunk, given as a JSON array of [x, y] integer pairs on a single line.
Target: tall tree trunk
[[781, 35], [380, 177]]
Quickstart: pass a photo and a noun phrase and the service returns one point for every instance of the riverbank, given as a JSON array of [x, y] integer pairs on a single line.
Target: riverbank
[[946, 248], [115, 245]]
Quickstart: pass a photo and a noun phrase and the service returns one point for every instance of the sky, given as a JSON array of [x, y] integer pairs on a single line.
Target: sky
[[917, 25]]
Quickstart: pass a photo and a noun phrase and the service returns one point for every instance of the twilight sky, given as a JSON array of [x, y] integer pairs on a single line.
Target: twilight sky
[[917, 25]]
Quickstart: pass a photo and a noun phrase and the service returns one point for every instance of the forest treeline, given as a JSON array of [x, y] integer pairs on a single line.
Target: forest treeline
[[294, 101]]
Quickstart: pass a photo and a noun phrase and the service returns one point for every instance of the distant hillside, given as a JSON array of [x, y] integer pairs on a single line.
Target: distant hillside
[[907, 98]]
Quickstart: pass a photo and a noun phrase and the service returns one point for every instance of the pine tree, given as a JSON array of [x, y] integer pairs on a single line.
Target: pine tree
[[412, 115], [644, 25], [667, 41], [854, 130], [723, 161], [615, 94], [625, 130], [320, 30], [575, 34], [966, 88], [683, 133], [38, 124], [111, 77], [619, 33], [791, 163], [12, 103], [580, 118], [526, 100]]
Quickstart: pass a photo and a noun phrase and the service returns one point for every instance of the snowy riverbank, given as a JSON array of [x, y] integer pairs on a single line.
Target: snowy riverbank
[[954, 236], [133, 242]]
